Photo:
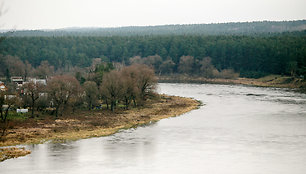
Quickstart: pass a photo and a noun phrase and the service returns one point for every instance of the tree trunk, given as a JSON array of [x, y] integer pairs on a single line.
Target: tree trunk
[[32, 115], [89, 106], [1, 111], [6, 113], [112, 106], [107, 105], [126, 103], [4, 121], [134, 102], [56, 111], [33, 104], [4, 128]]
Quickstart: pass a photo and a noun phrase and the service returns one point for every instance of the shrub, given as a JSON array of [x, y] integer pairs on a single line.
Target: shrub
[[228, 74]]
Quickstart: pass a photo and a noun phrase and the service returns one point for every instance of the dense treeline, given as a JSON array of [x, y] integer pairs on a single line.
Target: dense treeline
[[252, 56], [238, 28]]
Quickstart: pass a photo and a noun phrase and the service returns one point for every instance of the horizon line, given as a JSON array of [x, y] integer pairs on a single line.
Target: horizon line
[[158, 25]]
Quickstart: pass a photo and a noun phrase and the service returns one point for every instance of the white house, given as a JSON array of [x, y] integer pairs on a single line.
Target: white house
[[18, 80], [38, 81]]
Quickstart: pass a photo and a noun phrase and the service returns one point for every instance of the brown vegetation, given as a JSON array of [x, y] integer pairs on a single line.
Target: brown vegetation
[[268, 81], [85, 124], [33, 92], [12, 152], [91, 94], [134, 84], [60, 90]]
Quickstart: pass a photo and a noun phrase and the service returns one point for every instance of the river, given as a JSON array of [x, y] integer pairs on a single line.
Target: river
[[238, 130]]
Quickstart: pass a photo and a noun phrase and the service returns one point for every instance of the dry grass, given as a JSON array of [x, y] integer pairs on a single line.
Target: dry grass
[[86, 124], [12, 152], [275, 81], [268, 81]]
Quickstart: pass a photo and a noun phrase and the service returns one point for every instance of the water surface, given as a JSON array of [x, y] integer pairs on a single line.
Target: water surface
[[239, 130]]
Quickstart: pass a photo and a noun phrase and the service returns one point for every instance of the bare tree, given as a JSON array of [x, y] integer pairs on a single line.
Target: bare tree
[[206, 68], [34, 91], [186, 64], [130, 92], [61, 89], [111, 88], [167, 66], [44, 69], [153, 62], [146, 80], [136, 60], [14, 65], [42, 102], [76, 101], [6, 102], [91, 93], [28, 70], [133, 83]]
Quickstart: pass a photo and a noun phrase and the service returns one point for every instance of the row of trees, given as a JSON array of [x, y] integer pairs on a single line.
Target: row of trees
[[131, 85], [186, 65], [13, 66], [249, 55]]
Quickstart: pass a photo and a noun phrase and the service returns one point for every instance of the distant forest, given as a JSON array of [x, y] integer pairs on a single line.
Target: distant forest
[[240, 28], [252, 49]]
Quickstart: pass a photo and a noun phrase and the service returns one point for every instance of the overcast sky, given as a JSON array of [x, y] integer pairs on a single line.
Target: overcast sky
[[51, 14]]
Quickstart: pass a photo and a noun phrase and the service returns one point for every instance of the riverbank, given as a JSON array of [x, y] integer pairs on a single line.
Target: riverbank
[[268, 81], [96, 123], [12, 152]]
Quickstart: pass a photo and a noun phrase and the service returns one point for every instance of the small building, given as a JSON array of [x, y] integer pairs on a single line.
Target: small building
[[22, 110], [38, 81], [2, 87], [18, 80], [9, 96]]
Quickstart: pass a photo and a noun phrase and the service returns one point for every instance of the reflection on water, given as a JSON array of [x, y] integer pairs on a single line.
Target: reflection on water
[[239, 130]]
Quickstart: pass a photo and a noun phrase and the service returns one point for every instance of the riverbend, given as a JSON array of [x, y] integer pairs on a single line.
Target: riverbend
[[238, 130]]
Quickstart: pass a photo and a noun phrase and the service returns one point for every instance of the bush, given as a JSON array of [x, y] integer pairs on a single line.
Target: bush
[[228, 74]]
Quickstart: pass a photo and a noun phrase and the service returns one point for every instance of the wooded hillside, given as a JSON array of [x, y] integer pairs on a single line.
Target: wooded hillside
[[279, 54], [252, 49]]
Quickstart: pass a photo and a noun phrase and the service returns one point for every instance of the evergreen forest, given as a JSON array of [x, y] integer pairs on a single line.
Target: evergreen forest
[[251, 55]]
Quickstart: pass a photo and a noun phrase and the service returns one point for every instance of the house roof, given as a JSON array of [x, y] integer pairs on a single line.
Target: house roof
[[3, 87]]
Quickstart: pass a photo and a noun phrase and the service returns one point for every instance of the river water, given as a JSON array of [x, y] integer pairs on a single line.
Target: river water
[[239, 130]]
